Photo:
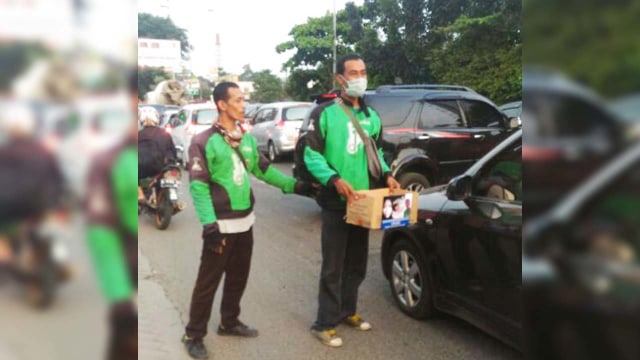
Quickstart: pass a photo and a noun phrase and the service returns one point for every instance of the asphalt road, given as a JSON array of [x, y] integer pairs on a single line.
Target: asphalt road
[[281, 297], [74, 327]]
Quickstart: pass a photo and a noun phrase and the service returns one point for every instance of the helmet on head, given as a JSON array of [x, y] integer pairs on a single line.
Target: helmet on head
[[17, 120], [148, 116]]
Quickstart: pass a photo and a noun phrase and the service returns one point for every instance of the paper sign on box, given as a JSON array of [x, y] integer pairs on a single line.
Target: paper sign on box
[[383, 209]]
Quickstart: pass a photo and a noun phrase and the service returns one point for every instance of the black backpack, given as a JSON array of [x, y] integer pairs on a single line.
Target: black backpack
[[300, 171], [150, 158]]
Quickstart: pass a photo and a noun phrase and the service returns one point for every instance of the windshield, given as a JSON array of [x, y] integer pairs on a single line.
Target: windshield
[[295, 113]]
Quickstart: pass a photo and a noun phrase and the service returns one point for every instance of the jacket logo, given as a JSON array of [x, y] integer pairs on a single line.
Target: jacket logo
[[196, 164], [354, 140]]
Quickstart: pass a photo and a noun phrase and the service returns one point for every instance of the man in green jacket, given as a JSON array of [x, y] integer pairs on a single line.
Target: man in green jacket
[[220, 160], [336, 157], [112, 232]]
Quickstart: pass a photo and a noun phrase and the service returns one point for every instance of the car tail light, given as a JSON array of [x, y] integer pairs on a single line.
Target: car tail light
[[168, 130], [280, 123]]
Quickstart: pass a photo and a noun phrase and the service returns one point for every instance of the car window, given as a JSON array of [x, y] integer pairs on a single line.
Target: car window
[[501, 178], [440, 114], [481, 115], [393, 110], [295, 113], [270, 114], [260, 116], [205, 116], [557, 116]]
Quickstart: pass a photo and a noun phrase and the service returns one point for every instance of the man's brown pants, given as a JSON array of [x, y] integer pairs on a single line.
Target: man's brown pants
[[235, 263]]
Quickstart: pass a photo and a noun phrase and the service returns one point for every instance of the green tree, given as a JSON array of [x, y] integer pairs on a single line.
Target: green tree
[[247, 73], [482, 52], [268, 87], [156, 27], [596, 45], [148, 78]]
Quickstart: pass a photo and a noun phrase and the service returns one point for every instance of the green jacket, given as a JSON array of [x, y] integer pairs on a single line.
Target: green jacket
[[219, 182], [112, 212], [335, 150]]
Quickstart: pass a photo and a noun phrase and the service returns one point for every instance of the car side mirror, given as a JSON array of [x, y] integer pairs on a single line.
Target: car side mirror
[[514, 122], [459, 188]]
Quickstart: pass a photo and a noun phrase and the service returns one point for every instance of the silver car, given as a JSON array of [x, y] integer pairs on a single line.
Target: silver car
[[276, 125], [192, 119]]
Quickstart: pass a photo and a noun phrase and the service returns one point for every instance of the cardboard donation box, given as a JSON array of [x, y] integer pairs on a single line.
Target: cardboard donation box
[[384, 209]]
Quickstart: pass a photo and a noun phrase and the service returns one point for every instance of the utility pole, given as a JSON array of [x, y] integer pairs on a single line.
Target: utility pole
[[335, 41]]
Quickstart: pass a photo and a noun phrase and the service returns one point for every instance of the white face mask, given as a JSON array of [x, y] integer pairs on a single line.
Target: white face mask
[[356, 87]]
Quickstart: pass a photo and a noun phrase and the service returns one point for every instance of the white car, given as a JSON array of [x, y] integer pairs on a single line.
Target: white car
[[276, 126], [192, 119]]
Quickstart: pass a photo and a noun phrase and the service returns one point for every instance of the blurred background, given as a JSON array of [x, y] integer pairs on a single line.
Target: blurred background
[[581, 155], [63, 99]]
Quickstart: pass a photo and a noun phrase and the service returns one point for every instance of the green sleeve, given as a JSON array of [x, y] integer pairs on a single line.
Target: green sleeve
[[263, 170], [125, 189], [202, 202], [200, 154], [314, 159], [110, 263]]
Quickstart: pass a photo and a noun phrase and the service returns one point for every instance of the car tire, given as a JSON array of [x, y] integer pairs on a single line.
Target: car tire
[[272, 152], [414, 181], [409, 279]]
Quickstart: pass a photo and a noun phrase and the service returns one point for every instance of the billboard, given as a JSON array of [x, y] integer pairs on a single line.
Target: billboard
[[159, 53]]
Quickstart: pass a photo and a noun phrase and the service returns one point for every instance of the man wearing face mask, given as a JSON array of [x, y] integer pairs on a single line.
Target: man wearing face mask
[[220, 160], [336, 157]]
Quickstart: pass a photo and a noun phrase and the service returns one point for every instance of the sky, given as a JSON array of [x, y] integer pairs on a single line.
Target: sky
[[249, 30]]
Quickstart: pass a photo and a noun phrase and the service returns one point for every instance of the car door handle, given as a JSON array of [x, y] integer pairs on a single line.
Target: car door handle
[[424, 136], [478, 136]]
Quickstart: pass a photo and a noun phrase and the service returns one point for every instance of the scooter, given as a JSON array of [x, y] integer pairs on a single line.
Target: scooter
[[161, 196], [40, 263]]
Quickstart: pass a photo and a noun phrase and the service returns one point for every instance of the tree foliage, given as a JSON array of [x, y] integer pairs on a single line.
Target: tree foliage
[[596, 45], [155, 27], [465, 42], [268, 87]]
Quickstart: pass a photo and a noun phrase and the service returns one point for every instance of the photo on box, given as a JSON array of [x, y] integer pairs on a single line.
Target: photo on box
[[396, 211]]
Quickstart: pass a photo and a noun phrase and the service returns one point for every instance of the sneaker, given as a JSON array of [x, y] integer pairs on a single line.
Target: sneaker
[[357, 322], [195, 348], [328, 337], [241, 330]]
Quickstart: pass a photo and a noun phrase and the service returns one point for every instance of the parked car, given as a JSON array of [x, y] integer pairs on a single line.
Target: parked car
[[192, 119], [581, 268], [463, 256], [569, 132], [276, 126], [434, 132], [169, 111]]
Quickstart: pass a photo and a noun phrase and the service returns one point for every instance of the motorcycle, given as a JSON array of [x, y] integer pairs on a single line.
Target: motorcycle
[[161, 196], [40, 262]]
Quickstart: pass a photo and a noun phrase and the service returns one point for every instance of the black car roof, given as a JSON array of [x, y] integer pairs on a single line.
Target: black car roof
[[430, 92]]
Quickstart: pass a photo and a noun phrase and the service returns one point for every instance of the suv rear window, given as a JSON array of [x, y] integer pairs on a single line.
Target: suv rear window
[[393, 110], [440, 114], [206, 117], [295, 113], [481, 115]]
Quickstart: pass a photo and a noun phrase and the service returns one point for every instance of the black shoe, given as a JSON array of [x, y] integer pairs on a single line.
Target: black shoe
[[238, 330], [195, 348]]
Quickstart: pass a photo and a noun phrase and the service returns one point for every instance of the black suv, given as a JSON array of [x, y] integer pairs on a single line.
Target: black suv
[[434, 132]]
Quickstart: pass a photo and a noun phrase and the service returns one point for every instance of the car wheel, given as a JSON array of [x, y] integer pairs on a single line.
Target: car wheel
[[272, 153], [414, 182], [409, 280]]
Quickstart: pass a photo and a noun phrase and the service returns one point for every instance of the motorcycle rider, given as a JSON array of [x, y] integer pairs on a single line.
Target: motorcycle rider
[[32, 185], [155, 147]]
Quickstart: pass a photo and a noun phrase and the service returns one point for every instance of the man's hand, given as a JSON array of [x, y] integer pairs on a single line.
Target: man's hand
[[343, 188], [213, 239], [392, 183]]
